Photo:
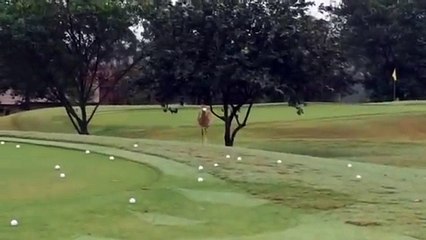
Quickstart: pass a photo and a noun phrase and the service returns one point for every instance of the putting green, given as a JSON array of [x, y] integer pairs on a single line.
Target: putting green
[[91, 202], [49, 207]]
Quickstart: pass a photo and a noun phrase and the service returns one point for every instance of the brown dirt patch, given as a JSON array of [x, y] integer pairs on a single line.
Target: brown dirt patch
[[400, 128]]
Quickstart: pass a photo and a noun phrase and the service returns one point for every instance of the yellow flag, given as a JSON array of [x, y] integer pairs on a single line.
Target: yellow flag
[[394, 75]]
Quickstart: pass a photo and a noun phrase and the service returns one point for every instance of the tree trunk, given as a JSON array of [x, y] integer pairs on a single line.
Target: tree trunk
[[27, 100], [229, 139], [84, 128]]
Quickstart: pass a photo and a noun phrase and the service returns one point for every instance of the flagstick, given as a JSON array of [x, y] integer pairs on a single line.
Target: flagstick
[[395, 78], [394, 90]]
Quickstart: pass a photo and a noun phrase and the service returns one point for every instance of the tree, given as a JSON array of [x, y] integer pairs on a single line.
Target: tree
[[233, 54], [383, 35], [71, 47], [308, 61]]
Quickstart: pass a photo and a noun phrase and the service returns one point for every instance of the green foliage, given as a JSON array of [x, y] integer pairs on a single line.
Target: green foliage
[[235, 54], [381, 35], [69, 48]]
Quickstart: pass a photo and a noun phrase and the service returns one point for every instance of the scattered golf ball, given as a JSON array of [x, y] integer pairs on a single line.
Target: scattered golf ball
[[18, 146], [200, 179], [200, 167], [204, 109], [2, 142], [228, 156], [279, 161], [216, 165], [111, 157], [349, 165], [62, 175], [132, 200], [135, 145], [358, 176], [14, 223], [87, 151], [239, 158], [57, 167]]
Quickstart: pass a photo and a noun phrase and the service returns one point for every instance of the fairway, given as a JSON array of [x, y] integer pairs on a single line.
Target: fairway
[[92, 201], [309, 194], [213, 120]]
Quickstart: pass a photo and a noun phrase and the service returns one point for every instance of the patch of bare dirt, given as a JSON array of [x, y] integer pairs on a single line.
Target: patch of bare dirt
[[403, 128]]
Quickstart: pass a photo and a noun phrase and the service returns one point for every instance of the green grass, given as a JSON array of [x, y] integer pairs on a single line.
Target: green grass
[[391, 134], [310, 194], [141, 121], [301, 194], [92, 200]]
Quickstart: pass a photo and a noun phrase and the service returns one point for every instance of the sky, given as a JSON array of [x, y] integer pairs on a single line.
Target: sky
[[314, 9]]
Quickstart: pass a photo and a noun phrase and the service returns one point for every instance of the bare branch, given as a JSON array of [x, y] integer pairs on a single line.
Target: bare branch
[[247, 114], [117, 79], [235, 109], [68, 109], [93, 112], [244, 123], [214, 113]]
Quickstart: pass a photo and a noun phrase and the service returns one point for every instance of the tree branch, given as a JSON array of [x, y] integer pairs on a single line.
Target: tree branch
[[93, 112], [214, 113], [94, 72], [235, 109], [116, 80], [68, 109], [244, 123]]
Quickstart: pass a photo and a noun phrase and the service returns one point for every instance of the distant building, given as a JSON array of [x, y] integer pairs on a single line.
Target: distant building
[[12, 103], [108, 92]]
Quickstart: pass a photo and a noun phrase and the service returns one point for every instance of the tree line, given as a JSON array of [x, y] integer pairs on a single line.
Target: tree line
[[230, 53]]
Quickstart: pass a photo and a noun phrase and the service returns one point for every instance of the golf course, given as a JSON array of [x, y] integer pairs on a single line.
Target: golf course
[[340, 171]]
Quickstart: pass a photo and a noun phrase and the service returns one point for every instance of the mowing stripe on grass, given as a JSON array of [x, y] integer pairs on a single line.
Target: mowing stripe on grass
[[230, 198], [166, 166], [165, 220], [93, 238], [320, 231]]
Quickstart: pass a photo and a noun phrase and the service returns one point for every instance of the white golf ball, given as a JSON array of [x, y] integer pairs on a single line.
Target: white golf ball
[[87, 151], [228, 156], [18, 146], [57, 167], [200, 179], [111, 157], [279, 161], [132, 200], [14, 223], [2, 142], [216, 165], [239, 158], [349, 165], [204, 109], [200, 167], [135, 145], [62, 175], [358, 176]]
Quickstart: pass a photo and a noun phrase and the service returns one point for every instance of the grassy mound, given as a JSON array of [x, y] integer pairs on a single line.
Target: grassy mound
[[310, 194], [92, 200], [389, 134], [295, 199]]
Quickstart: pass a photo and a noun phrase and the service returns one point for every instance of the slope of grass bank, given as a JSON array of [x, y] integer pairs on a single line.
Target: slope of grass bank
[[322, 189], [390, 134]]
